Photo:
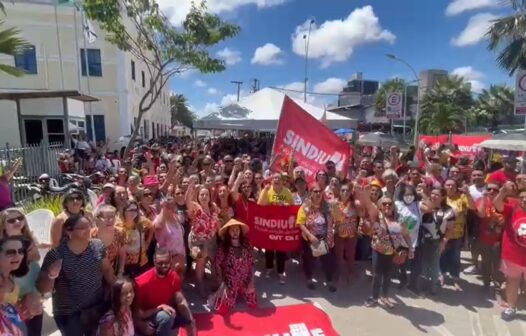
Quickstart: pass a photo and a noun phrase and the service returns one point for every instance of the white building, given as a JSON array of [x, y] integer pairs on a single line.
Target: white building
[[56, 81]]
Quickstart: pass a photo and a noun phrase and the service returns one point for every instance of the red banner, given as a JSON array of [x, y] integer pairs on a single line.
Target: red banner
[[312, 142], [466, 143], [273, 227]]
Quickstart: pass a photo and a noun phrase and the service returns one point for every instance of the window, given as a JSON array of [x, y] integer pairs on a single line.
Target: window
[[153, 130], [143, 79], [100, 127], [94, 63], [133, 70], [146, 129], [55, 130], [26, 60]]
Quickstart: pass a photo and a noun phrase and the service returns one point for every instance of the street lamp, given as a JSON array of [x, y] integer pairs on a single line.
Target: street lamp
[[417, 117], [306, 37]]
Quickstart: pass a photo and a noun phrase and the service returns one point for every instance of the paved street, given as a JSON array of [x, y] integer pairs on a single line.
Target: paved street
[[470, 313]]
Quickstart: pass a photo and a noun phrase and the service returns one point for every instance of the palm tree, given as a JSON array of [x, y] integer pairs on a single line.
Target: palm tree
[[445, 107], [179, 110], [507, 37], [495, 105], [391, 85], [441, 118], [10, 44]]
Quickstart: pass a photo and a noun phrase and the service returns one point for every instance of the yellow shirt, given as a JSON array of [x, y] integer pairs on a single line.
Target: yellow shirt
[[284, 197], [460, 207], [12, 297]]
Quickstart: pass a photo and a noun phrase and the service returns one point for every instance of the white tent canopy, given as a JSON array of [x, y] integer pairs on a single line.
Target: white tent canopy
[[261, 110]]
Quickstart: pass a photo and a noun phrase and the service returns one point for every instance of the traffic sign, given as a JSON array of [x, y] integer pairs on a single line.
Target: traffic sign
[[394, 105], [520, 93]]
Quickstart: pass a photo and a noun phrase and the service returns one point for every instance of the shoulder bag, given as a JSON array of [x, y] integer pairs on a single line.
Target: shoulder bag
[[400, 253]]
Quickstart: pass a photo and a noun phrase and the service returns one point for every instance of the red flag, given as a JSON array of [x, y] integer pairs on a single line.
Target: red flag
[[313, 143]]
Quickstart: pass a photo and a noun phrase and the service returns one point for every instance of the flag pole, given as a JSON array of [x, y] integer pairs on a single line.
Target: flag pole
[[84, 27], [77, 49], [59, 47]]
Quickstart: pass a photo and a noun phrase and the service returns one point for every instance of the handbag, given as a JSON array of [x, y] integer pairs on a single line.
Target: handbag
[[319, 249], [401, 254]]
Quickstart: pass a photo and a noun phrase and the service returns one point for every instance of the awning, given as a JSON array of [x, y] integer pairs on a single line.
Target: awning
[[72, 94]]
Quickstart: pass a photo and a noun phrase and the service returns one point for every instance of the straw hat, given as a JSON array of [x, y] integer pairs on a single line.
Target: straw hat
[[233, 222]]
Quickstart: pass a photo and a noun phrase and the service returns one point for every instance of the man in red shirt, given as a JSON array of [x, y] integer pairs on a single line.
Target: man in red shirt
[[160, 307], [507, 173], [513, 245]]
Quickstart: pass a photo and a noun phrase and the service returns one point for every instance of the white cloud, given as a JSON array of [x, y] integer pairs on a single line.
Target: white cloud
[[230, 56], [267, 54], [200, 83], [207, 109], [335, 41], [475, 30], [474, 77], [459, 6], [330, 85], [176, 11], [212, 91], [213, 107]]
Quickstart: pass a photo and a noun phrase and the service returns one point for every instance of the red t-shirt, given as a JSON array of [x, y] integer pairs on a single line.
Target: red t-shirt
[[491, 225], [153, 291], [501, 177], [241, 210], [514, 236]]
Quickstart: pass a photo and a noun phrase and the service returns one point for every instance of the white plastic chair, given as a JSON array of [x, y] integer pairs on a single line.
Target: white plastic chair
[[92, 199], [39, 222]]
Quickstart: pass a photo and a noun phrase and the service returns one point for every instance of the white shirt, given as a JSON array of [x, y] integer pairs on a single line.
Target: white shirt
[[476, 193]]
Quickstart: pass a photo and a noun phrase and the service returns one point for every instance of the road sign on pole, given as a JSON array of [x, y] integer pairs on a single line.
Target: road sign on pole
[[394, 105], [520, 93]]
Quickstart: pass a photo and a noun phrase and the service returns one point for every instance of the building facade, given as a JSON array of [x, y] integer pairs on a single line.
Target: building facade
[[429, 78], [358, 91], [57, 61]]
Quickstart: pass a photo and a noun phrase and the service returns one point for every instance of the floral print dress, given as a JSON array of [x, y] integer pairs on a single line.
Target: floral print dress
[[236, 267]]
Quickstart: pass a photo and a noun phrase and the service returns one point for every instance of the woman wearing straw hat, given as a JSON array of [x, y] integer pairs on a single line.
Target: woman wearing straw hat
[[234, 266]]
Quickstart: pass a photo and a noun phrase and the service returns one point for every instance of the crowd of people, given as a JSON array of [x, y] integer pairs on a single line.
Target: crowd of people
[[177, 208]]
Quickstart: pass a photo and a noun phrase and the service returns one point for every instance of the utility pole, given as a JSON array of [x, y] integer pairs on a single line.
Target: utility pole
[[255, 85], [238, 83]]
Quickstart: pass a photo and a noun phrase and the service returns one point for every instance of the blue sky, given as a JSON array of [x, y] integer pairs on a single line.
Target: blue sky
[[348, 36]]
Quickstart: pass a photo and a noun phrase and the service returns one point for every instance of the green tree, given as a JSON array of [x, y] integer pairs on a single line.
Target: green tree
[[446, 106], [140, 28], [180, 112], [10, 44], [494, 106], [391, 85], [507, 38]]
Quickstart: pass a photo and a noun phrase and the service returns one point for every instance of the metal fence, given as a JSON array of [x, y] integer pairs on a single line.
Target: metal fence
[[36, 160]]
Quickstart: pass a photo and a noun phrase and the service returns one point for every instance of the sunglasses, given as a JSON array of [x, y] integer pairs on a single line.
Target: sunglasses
[[228, 161], [75, 198], [13, 252], [180, 193], [492, 189], [14, 220], [345, 190], [132, 210], [316, 191]]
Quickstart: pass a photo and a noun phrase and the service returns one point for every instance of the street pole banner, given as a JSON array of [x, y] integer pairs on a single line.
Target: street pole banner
[[394, 105], [273, 227], [520, 93], [312, 143]]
